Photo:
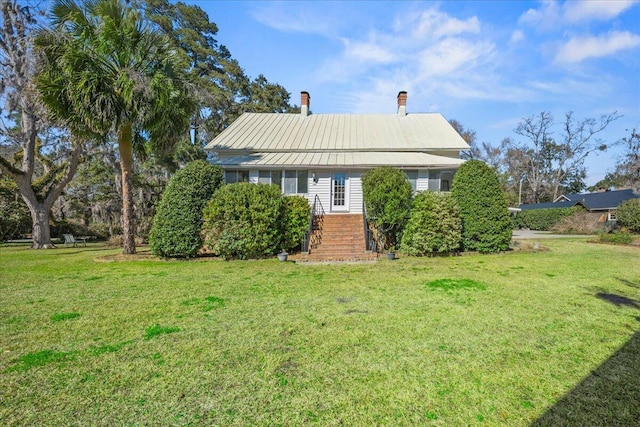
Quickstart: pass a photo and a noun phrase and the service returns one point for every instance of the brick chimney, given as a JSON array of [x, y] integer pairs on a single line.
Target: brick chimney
[[402, 103], [305, 103]]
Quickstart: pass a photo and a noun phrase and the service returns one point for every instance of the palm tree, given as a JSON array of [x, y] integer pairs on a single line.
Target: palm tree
[[106, 72]]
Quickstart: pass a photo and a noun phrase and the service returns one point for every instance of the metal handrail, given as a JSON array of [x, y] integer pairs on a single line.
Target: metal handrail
[[317, 211], [370, 242]]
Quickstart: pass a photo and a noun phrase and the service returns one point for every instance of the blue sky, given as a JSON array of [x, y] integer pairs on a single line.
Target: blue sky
[[486, 64]]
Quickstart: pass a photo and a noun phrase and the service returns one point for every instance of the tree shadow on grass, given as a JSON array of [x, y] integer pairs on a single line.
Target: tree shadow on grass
[[618, 300], [609, 396], [629, 282]]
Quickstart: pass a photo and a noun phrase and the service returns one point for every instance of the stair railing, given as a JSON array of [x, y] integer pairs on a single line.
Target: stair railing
[[317, 213]]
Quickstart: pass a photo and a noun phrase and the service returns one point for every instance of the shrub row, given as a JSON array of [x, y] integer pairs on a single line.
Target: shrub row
[[245, 220], [543, 219], [474, 217]]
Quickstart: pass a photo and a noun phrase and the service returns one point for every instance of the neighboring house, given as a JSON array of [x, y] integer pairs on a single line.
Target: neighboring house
[[604, 202], [325, 155]]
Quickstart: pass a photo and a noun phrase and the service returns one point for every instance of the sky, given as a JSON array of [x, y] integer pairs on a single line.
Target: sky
[[487, 64]]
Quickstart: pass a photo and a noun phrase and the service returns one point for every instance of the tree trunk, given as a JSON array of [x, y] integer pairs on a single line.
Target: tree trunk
[[125, 147], [41, 232]]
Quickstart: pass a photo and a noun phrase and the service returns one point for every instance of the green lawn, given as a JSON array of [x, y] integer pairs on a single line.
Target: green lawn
[[510, 339]]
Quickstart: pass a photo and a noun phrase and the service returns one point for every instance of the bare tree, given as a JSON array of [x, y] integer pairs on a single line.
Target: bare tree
[[40, 182], [554, 164]]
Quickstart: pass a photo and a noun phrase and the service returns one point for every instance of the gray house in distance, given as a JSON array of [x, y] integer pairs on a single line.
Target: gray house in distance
[[325, 155], [603, 202]]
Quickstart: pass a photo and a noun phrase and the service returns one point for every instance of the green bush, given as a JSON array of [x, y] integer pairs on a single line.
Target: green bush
[[387, 195], [243, 221], [295, 223], [618, 238], [628, 215], [176, 225], [434, 225], [486, 226], [543, 219]]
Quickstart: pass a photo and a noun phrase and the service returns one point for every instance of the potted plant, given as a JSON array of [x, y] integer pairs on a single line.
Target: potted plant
[[391, 253], [282, 256]]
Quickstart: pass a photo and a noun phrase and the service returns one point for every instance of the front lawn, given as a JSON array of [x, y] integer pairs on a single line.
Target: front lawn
[[508, 339]]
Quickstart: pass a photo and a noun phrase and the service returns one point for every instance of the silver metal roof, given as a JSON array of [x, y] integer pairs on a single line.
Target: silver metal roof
[[270, 132], [342, 158]]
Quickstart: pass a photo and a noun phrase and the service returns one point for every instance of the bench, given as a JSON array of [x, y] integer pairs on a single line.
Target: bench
[[69, 240]]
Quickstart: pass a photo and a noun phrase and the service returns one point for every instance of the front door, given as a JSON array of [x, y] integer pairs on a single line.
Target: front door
[[339, 192]]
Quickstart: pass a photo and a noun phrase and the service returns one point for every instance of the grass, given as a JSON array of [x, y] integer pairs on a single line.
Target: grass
[[547, 337]]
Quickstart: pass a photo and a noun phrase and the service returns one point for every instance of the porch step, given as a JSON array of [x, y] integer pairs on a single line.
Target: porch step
[[338, 238]]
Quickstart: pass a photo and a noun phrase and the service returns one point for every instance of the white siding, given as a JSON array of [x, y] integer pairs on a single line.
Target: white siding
[[322, 188], [355, 192]]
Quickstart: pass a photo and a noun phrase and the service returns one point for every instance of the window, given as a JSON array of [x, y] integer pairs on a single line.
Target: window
[[294, 182], [230, 177], [611, 216], [434, 181], [445, 180], [290, 182], [264, 177], [303, 182], [440, 180], [412, 177], [233, 176]]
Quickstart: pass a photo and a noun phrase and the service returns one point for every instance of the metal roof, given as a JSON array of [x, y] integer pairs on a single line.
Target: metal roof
[[271, 132], [340, 158]]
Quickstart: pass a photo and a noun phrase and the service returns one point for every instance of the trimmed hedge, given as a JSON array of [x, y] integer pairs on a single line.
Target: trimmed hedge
[[245, 220], [176, 225], [628, 215], [486, 225], [542, 219], [387, 194], [434, 225], [616, 238]]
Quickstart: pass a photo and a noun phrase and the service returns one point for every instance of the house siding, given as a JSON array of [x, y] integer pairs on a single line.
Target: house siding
[[355, 192]]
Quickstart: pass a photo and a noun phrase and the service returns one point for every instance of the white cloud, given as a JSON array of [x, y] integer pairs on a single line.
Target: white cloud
[[600, 10], [516, 37], [550, 15], [580, 48], [434, 24], [367, 52], [453, 54], [546, 17], [288, 17]]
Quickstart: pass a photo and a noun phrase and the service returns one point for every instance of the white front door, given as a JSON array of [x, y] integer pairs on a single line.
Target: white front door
[[339, 192]]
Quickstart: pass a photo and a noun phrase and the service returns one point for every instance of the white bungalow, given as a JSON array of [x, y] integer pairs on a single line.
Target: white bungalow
[[325, 155]]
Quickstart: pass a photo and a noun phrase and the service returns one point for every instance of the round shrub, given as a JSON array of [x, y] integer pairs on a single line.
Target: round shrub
[[295, 222], [176, 225], [434, 225], [628, 215], [243, 221], [486, 226], [387, 195]]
